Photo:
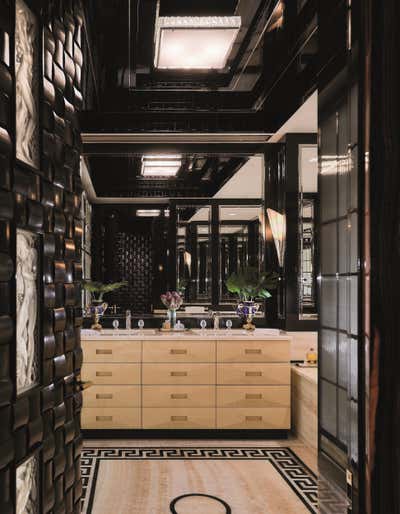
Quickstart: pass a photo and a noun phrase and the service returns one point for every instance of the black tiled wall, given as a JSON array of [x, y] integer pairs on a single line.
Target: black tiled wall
[[46, 201]]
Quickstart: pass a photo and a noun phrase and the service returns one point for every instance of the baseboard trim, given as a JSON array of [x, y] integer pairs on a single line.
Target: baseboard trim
[[184, 434]]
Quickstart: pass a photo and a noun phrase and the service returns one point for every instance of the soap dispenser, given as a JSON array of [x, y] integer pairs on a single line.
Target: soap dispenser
[[311, 356]]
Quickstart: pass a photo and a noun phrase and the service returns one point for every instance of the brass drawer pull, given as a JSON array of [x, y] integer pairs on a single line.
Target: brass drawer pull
[[176, 351], [253, 373], [104, 418], [251, 396], [253, 351], [179, 373], [103, 373], [108, 396], [254, 418], [179, 418], [179, 396], [103, 352]]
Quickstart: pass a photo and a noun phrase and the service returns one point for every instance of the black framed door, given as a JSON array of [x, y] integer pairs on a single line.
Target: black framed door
[[342, 362]]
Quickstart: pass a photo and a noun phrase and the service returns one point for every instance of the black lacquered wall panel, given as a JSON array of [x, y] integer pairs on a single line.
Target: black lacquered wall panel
[[43, 421], [341, 357]]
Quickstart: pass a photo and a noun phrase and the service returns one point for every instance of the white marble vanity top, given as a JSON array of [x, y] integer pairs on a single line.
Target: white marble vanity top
[[196, 334]]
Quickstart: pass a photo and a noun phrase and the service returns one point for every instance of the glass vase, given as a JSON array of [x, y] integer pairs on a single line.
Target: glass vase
[[172, 317]]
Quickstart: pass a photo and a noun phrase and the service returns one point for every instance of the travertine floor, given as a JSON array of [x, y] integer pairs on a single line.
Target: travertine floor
[[306, 454], [144, 487]]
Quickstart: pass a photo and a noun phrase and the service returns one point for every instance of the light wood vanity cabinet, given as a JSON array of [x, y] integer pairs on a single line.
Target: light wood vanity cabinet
[[187, 384]]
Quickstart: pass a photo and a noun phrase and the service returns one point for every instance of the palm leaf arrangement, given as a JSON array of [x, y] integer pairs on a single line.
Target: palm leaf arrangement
[[251, 284], [98, 289]]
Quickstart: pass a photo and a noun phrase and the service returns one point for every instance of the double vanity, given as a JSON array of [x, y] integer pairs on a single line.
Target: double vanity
[[224, 379]]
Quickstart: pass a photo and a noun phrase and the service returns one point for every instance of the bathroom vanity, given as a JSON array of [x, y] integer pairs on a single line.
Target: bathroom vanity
[[204, 380]]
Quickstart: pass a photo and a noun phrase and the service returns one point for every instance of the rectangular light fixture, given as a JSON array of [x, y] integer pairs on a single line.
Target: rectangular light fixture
[[161, 165], [194, 42], [145, 213]]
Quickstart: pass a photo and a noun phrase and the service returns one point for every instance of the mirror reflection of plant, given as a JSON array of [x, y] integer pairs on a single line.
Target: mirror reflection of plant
[[251, 284], [181, 286], [98, 289]]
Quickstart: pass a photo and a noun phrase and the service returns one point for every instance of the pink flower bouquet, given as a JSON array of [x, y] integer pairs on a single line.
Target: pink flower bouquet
[[172, 300]]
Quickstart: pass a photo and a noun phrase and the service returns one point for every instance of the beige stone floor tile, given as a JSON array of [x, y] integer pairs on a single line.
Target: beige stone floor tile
[[147, 487]]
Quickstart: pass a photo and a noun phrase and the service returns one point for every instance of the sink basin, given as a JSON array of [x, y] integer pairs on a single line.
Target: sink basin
[[111, 332]]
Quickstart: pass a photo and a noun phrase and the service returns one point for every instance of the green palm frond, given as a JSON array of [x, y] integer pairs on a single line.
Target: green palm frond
[[100, 289], [249, 283]]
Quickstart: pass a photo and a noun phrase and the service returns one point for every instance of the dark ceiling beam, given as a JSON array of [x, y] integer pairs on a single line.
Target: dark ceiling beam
[[161, 121], [140, 148], [178, 99]]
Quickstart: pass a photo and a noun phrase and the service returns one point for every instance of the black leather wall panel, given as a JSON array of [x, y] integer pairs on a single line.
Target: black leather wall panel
[[46, 201]]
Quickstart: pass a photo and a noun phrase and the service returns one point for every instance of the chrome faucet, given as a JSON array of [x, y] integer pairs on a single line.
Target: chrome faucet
[[215, 317], [128, 320]]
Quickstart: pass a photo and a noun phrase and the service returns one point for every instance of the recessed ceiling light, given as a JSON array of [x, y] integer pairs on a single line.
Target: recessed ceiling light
[[188, 42], [161, 165], [144, 213]]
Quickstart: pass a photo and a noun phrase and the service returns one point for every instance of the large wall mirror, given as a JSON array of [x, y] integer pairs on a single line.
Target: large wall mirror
[[194, 253], [240, 242], [308, 205]]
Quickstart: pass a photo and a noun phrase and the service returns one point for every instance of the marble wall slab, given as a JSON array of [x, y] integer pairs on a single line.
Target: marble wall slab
[[302, 342], [27, 487], [27, 310], [27, 84], [304, 386]]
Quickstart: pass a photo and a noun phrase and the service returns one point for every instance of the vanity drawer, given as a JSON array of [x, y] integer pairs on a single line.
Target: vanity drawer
[[113, 374], [253, 396], [178, 396], [253, 374], [112, 396], [253, 419], [178, 351], [178, 418], [111, 351], [178, 374], [253, 351], [110, 418]]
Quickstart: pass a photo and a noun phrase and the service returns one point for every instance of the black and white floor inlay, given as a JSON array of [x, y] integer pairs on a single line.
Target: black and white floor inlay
[[291, 468]]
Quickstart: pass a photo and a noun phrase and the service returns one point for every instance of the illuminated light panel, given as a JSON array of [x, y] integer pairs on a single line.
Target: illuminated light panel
[[144, 213], [161, 165], [185, 42]]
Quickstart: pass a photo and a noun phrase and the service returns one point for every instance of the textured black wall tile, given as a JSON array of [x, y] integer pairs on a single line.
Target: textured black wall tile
[[6, 267], [6, 423], [49, 345], [45, 201], [60, 367], [59, 271], [6, 503], [6, 390], [7, 453], [26, 183], [5, 237], [6, 300], [59, 222], [6, 329], [21, 412], [35, 216], [5, 175], [6, 205], [49, 295], [20, 210], [69, 249]]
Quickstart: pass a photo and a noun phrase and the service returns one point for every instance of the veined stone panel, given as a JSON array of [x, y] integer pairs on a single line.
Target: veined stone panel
[[27, 487], [27, 310], [27, 84]]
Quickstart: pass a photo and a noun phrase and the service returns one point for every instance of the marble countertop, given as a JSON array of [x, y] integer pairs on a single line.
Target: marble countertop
[[310, 374], [192, 335]]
